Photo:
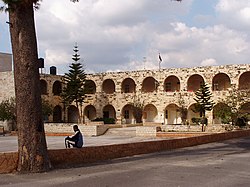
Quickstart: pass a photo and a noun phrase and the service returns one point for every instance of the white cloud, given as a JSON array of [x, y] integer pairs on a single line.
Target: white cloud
[[117, 35], [208, 62]]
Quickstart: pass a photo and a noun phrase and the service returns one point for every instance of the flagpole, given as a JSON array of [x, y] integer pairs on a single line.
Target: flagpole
[[160, 60]]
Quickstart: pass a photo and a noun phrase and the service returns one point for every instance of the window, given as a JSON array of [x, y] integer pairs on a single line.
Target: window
[[126, 89], [168, 87], [216, 86], [126, 114], [166, 114]]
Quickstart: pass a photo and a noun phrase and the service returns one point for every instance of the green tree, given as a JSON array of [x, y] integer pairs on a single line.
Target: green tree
[[230, 109], [182, 109], [47, 108], [137, 109], [74, 81], [7, 109], [203, 102], [33, 157]]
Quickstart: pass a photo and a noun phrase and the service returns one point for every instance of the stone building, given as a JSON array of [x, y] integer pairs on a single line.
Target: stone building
[[5, 62], [113, 94]]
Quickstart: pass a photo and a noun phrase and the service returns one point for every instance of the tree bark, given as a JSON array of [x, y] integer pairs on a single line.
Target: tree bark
[[32, 147]]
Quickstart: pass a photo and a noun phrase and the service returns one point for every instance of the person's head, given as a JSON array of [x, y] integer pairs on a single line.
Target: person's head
[[75, 127]]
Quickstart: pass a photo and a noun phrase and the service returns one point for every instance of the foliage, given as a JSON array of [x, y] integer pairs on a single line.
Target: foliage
[[137, 109], [197, 121], [8, 109], [230, 109], [182, 110], [203, 100], [106, 120], [47, 108], [223, 111], [74, 81]]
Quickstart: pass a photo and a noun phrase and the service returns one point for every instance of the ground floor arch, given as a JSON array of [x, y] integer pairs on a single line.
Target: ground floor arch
[[73, 114], [109, 112], [191, 114], [128, 114], [172, 115], [57, 114], [217, 108], [89, 112], [150, 113]]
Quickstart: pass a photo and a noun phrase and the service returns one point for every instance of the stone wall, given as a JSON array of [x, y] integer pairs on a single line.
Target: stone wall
[[7, 89], [67, 128], [159, 99], [63, 158], [5, 62]]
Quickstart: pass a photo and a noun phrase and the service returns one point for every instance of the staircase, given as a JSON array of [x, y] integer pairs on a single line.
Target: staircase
[[124, 131]]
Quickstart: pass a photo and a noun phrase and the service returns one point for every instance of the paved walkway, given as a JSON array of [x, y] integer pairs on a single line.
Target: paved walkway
[[221, 164], [9, 143]]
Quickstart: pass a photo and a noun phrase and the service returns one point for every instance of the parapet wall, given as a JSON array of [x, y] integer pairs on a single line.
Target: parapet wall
[[63, 158], [87, 130]]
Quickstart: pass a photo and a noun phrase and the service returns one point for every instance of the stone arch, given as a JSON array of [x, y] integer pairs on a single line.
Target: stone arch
[[149, 84], [128, 85], [244, 81], [194, 82], [73, 114], [108, 86], [127, 113], [57, 88], [44, 86], [90, 87], [109, 112], [90, 112], [221, 81], [245, 109], [217, 107], [172, 115], [191, 114], [150, 113], [172, 84], [57, 114]]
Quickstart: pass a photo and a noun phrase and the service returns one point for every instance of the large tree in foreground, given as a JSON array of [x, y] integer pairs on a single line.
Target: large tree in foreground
[[74, 80], [32, 147]]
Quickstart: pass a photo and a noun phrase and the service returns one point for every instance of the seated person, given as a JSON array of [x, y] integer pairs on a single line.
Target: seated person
[[75, 140]]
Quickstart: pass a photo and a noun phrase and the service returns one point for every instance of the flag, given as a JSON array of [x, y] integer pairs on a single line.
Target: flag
[[160, 57]]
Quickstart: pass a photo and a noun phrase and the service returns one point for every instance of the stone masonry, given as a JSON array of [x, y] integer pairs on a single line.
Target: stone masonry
[[158, 91]]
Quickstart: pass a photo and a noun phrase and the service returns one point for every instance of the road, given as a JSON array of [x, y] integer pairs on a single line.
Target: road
[[223, 164]]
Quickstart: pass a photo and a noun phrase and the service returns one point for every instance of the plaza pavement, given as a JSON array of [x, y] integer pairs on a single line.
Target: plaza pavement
[[9, 143]]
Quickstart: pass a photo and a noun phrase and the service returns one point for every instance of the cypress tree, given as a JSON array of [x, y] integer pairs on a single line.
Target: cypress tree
[[203, 102], [74, 81]]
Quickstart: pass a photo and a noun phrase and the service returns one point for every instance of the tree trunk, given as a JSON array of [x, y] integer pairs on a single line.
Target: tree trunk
[[32, 147]]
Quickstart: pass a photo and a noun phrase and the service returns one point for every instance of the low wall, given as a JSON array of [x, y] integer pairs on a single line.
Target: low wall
[[87, 130], [147, 131], [7, 125], [62, 158]]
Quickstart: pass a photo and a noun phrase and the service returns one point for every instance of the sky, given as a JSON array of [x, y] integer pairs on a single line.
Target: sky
[[128, 35]]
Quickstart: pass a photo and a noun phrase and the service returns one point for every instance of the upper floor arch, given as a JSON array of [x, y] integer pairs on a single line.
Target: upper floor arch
[[149, 84], [244, 81], [172, 84], [57, 88], [108, 86], [221, 81], [43, 86], [128, 85], [90, 87], [194, 82]]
